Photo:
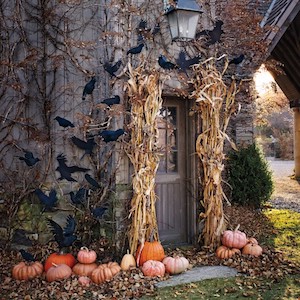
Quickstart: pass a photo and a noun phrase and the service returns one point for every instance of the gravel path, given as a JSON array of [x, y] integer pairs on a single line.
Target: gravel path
[[287, 190]]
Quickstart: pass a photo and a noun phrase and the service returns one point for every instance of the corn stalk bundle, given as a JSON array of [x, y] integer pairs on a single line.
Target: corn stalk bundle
[[144, 91], [215, 104]]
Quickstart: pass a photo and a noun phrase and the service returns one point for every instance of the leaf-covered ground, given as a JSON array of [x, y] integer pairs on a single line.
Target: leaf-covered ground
[[132, 284], [273, 228]]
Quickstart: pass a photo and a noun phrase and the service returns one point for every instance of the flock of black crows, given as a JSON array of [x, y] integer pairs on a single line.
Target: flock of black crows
[[65, 236]]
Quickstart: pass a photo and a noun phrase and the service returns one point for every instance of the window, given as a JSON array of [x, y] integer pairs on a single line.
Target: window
[[168, 139]]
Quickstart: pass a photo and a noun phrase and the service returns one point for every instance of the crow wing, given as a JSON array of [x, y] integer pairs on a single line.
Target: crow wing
[[57, 232], [70, 227]]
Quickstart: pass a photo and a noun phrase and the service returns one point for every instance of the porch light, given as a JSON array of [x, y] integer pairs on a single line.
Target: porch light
[[183, 17]]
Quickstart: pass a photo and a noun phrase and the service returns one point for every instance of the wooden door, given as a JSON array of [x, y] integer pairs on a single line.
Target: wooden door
[[171, 205]]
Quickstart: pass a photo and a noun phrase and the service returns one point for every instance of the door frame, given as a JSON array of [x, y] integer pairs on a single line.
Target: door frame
[[191, 181]]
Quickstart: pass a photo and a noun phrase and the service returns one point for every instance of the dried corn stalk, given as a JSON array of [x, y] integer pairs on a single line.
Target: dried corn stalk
[[144, 91], [215, 104]]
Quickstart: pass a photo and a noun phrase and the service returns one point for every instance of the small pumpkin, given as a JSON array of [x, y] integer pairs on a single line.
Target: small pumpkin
[[175, 265], [153, 268], [253, 240], [234, 239], [224, 252], [128, 261], [252, 249], [152, 250], [59, 258], [58, 272], [86, 256], [84, 280], [84, 269], [105, 272], [27, 271]]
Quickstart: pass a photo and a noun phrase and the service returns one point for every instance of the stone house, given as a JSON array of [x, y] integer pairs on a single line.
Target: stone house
[[50, 51]]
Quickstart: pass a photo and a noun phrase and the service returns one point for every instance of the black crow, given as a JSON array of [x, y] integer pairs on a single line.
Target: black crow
[[27, 256], [142, 25], [136, 50], [237, 60], [66, 171], [111, 135], [98, 212], [214, 35], [87, 146], [165, 64], [111, 101], [29, 159], [48, 201], [92, 181], [79, 197], [64, 237], [183, 63], [156, 29], [64, 122], [112, 69], [143, 31], [89, 87]]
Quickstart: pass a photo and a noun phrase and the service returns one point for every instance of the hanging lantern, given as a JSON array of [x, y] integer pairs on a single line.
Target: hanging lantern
[[183, 18]]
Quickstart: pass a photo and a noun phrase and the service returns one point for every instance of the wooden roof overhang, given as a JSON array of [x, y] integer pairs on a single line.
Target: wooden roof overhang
[[284, 15]]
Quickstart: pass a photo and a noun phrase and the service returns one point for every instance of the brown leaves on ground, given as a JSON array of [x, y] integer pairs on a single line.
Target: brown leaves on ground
[[272, 264], [133, 284], [126, 285]]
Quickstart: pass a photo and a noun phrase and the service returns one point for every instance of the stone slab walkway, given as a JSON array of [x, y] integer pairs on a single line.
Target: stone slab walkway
[[198, 274]]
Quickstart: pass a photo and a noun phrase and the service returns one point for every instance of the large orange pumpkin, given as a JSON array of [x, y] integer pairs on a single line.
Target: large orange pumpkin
[[84, 269], [234, 239], [24, 271], [105, 272], [224, 252], [59, 258], [149, 251]]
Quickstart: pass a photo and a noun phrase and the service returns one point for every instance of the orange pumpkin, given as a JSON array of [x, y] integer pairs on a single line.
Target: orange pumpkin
[[84, 269], [24, 271], [60, 258], [252, 249], [153, 268], [86, 256], [175, 265], [234, 239], [224, 252], [128, 261], [105, 272], [253, 240], [58, 272], [149, 251]]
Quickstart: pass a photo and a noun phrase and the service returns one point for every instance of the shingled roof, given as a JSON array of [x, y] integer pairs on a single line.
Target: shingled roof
[[283, 17]]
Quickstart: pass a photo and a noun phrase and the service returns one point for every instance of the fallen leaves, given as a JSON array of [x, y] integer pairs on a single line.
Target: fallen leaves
[[132, 284]]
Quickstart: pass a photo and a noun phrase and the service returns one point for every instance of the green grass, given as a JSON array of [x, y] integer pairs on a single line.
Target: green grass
[[233, 288], [285, 237]]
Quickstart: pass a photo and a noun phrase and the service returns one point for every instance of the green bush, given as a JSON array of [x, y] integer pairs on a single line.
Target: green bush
[[249, 177]]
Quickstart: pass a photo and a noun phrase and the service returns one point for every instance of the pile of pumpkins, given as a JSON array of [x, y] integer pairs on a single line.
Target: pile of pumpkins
[[150, 257], [235, 241], [59, 266]]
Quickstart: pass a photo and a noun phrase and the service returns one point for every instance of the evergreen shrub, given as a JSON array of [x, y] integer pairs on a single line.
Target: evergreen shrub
[[249, 177]]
